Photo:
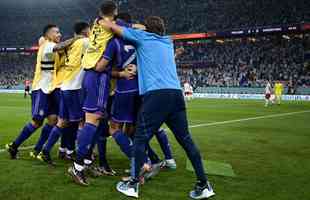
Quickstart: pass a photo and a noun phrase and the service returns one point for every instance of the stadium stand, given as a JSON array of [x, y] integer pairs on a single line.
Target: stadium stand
[[220, 14], [26, 19], [15, 69], [245, 62]]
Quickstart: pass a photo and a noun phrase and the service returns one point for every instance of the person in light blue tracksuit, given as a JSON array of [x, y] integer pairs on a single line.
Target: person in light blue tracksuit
[[162, 101]]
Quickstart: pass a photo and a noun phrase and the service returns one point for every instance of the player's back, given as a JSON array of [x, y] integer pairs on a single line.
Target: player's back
[[281, 87], [98, 39], [278, 88], [73, 64], [128, 56]]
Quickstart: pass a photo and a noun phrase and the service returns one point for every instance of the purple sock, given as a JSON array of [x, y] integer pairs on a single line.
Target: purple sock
[[124, 143], [85, 138], [27, 131], [46, 130], [53, 138]]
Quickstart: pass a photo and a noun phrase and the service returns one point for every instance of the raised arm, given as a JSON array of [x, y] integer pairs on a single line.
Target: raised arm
[[119, 30]]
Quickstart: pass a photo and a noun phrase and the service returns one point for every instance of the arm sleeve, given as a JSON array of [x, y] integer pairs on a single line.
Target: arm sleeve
[[123, 23], [110, 50], [133, 35]]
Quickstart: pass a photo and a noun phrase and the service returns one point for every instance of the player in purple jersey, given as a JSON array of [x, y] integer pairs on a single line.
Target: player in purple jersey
[[96, 86], [125, 108]]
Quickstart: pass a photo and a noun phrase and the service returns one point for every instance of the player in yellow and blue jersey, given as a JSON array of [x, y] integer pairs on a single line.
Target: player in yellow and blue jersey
[[278, 90], [70, 107], [44, 98]]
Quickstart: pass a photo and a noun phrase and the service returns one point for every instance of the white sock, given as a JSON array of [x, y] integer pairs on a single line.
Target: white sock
[[62, 150], [69, 152]]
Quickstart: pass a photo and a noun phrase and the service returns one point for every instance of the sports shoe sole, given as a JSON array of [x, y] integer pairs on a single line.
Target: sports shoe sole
[[75, 179], [125, 193]]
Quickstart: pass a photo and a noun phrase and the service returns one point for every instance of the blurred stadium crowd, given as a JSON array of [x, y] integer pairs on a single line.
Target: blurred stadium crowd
[[15, 68], [246, 62], [25, 18]]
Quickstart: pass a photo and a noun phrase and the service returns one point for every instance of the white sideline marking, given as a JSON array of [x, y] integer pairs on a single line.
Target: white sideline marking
[[248, 119], [22, 148], [218, 123]]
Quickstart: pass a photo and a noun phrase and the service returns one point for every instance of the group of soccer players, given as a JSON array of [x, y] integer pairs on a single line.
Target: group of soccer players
[[87, 89], [273, 95]]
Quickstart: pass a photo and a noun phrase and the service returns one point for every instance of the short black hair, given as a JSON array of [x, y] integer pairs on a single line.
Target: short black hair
[[48, 27], [80, 26], [126, 17], [108, 8], [155, 24]]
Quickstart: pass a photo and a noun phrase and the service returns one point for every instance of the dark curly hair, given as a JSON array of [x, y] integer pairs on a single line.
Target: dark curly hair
[[155, 24]]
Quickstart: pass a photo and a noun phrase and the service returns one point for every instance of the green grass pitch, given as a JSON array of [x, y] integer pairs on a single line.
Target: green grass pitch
[[270, 156]]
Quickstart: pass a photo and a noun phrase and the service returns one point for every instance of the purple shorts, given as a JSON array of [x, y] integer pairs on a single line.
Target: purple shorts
[[125, 107], [43, 105], [70, 107], [95, 89]]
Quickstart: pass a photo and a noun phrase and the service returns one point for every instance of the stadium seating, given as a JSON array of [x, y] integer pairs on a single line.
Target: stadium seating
[[16, 15], [208, 65], [15, 68], [244, 63]]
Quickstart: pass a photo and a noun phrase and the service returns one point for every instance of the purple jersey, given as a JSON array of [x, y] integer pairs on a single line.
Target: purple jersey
[[96, 85], [128, 54], [113, 53]]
